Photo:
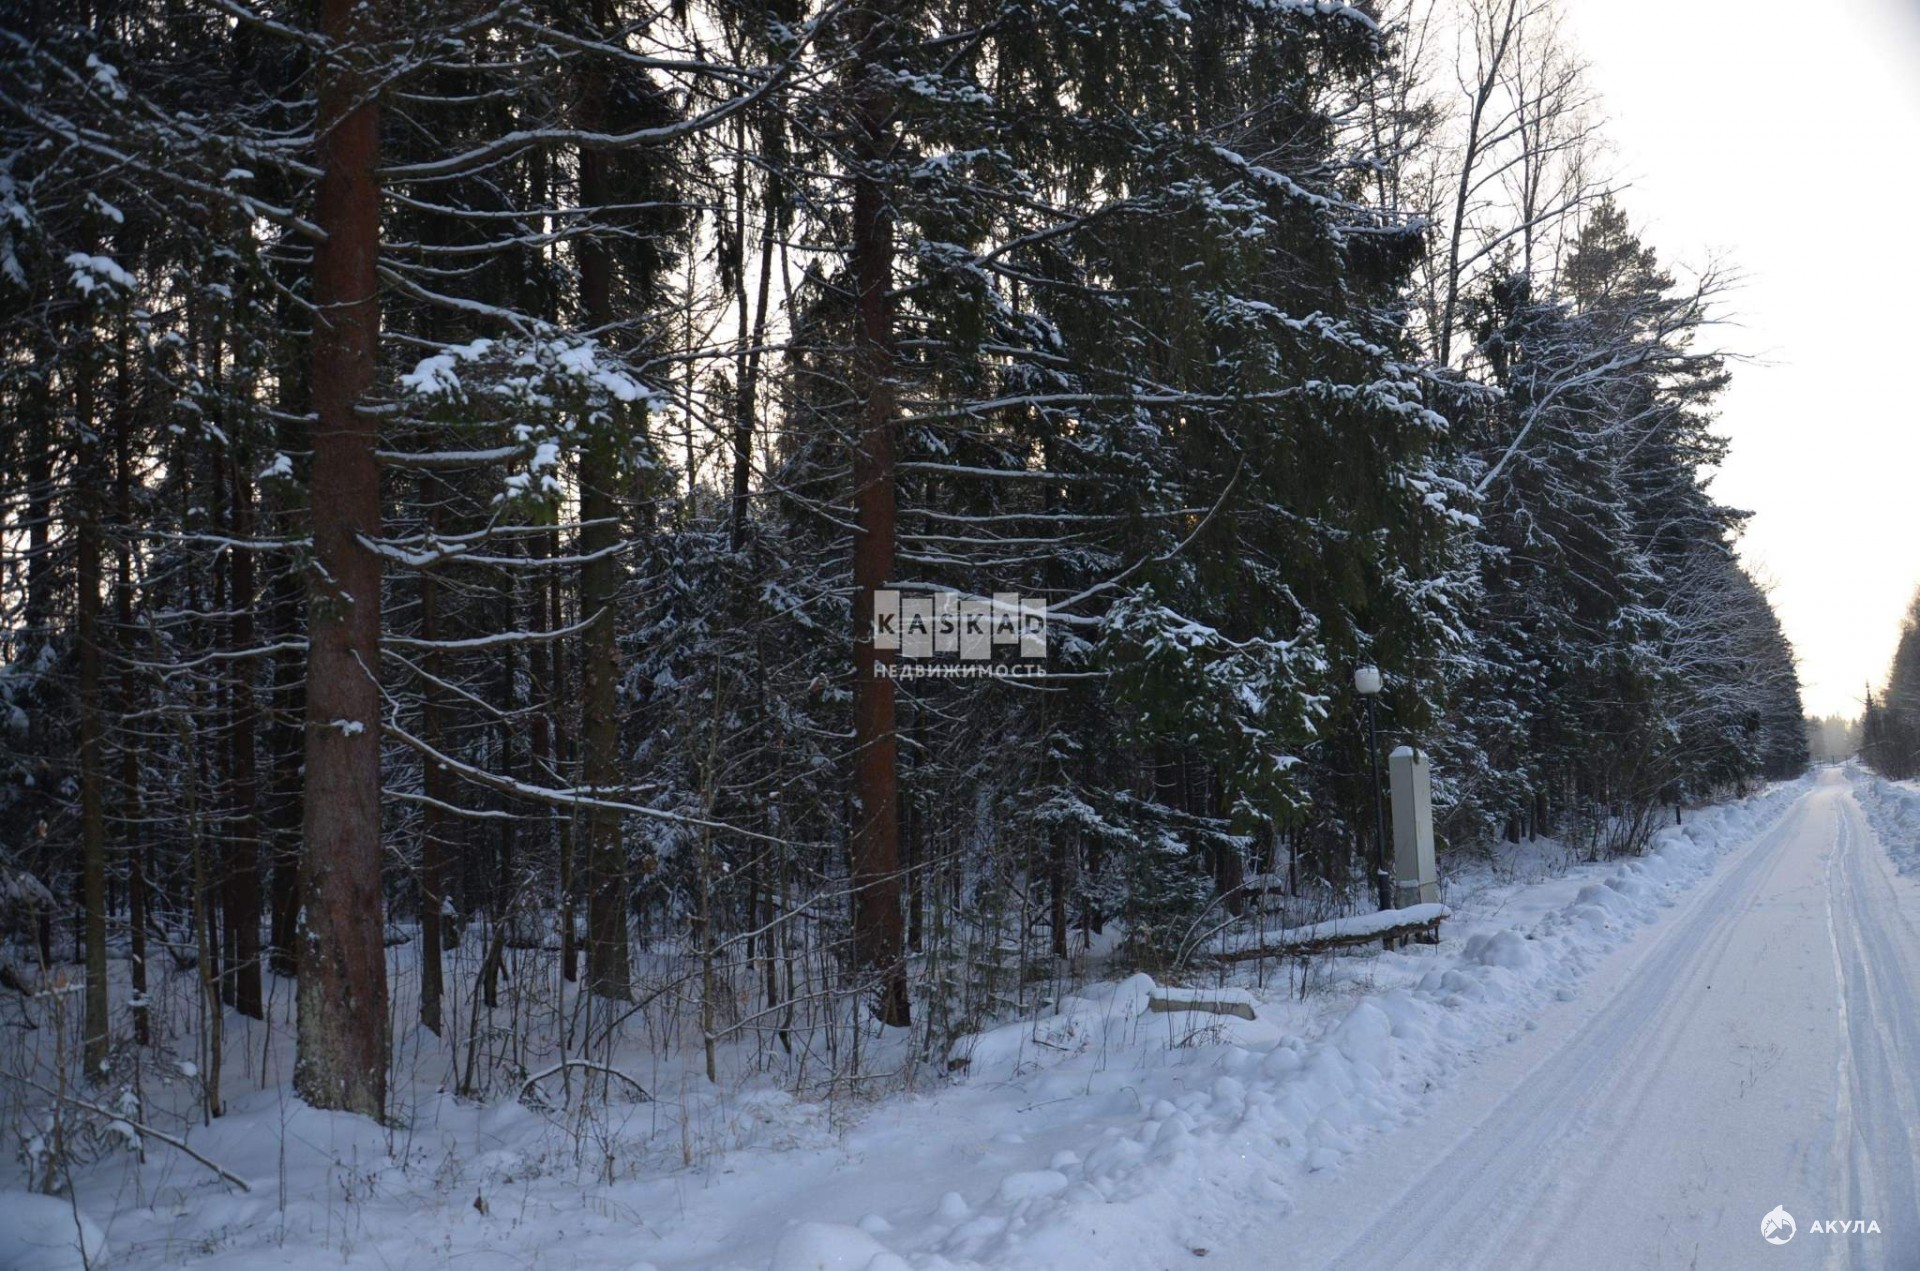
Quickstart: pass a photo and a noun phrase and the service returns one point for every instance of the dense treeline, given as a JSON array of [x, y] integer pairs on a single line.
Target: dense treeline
[[452, 452], [1890, 723]]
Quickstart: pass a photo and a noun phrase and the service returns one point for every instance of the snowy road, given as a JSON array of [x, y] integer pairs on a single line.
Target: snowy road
[[1758, 1048]]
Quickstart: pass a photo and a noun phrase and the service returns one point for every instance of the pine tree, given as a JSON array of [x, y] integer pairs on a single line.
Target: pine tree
[[343, 976]]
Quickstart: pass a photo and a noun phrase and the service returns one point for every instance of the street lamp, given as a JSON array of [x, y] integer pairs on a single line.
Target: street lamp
[[1366, 682]]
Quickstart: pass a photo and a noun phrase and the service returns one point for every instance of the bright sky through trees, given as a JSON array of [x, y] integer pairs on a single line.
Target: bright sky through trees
[[1780, 136]]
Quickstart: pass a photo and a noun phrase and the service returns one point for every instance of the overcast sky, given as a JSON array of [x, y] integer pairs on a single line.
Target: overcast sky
[[1786, 139]]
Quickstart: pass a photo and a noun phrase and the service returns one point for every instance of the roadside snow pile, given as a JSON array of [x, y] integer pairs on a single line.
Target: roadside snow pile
[[831, 1246], [1186, 1126], [1107, 1020], [1893, 809]]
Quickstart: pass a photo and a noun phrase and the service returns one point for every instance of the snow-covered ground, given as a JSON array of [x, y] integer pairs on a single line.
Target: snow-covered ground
[[1754, 1052], [1893, 809], [1609, 1065]]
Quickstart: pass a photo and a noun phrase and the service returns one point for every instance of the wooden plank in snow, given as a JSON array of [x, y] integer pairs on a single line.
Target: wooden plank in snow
[[1235, 1002]]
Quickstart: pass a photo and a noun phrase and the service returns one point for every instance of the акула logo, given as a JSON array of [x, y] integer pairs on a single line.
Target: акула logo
[[1778, 1226]]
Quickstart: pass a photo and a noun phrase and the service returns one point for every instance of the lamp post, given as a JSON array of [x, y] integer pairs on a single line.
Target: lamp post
[[1366, 682]]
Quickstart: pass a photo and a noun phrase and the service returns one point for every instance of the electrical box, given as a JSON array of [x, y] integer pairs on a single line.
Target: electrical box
[[1416, 882]]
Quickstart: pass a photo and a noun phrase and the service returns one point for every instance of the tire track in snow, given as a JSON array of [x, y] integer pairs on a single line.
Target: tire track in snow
[[1878, 969], [1486, 1196]]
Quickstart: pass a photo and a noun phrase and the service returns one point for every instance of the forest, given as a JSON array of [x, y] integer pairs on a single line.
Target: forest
[[453, 454], [1888, 736]]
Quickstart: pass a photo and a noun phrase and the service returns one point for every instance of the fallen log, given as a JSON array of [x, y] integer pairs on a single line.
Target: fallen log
[[1390, 926], [147, 1131]]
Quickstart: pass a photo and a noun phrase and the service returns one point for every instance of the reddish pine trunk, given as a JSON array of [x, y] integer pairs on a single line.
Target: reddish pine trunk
[[878, 935], [607, 965], [607, 969], [343, 978]]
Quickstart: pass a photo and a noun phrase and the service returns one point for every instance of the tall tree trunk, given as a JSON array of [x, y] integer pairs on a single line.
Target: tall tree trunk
[[1500, 33], [434, 783], [286, 798], [563, 757], [549, 668], [286, 793], [93, 813], [607, 970], [506, 732], [212, 1019], [220, 753], [285, 742], [506, 845], [123, 705], [39, 606], [878, 930], [240, 888], [747, 373], [343, 974], [546, 708], [607, 967], [1059, 881]]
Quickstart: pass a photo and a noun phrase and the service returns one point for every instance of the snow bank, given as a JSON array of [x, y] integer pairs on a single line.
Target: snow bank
[[1893, 809], [828, 1246], [1212, 1143], [45, 1233]]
